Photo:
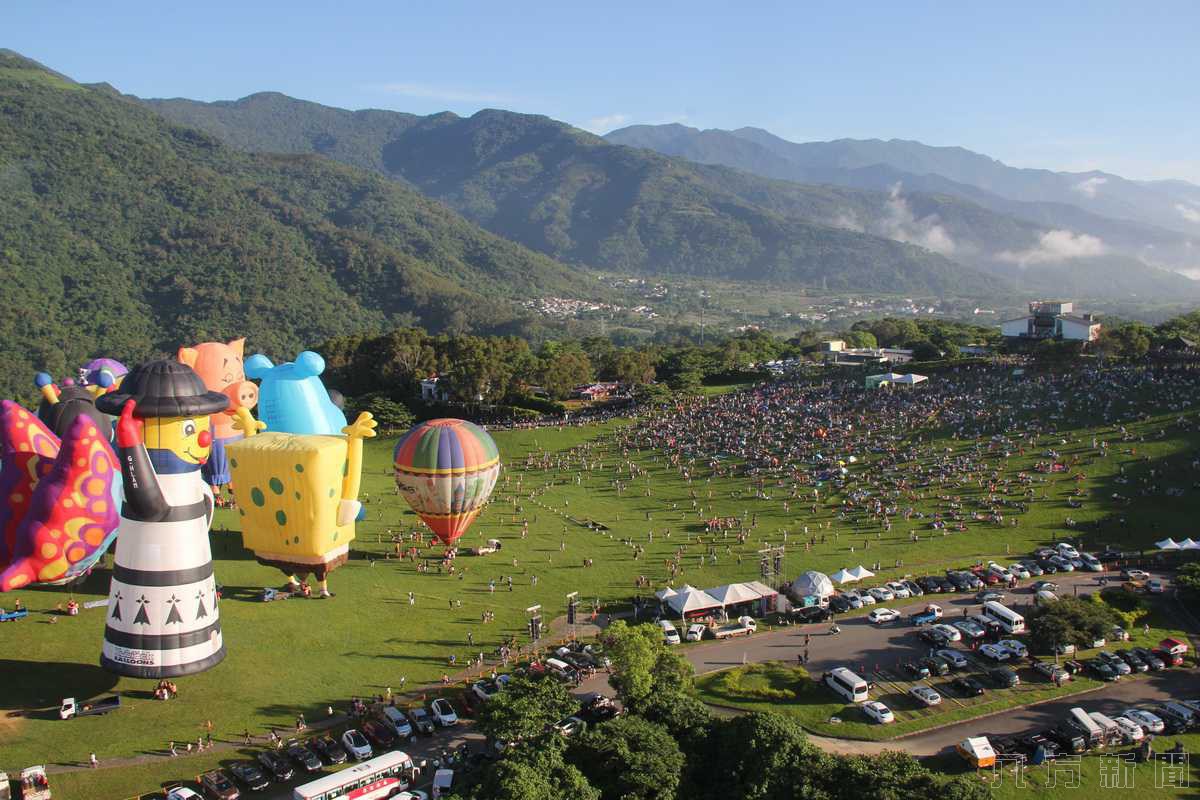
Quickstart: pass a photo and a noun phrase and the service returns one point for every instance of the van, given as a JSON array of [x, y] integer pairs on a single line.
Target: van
[[1178, 713], [670, 634], [1108, 726], [564, 671], [395, 719], [1081, 721], [1043, 597], [846, 684]]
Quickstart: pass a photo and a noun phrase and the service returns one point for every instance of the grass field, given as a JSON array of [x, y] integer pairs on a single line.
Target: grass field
[[297, 656]]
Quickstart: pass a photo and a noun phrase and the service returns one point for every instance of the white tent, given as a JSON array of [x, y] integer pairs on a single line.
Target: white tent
[[663, 594], [843, 576], [766, 591], [861, 572], [1189, 544], [812, 583], [910, 379], [692, 601], [733, 594], [1167, 544]]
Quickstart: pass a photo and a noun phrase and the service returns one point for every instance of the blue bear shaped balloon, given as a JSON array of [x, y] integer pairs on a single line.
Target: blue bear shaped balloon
[[291, 397]]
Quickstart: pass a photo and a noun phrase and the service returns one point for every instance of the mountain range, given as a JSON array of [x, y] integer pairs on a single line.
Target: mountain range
[[720, 204]]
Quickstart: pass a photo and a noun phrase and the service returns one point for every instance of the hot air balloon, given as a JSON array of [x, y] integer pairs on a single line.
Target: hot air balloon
[[446, 470]]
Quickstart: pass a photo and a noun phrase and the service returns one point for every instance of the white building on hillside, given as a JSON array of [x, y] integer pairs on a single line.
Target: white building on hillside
[[1052, 319]]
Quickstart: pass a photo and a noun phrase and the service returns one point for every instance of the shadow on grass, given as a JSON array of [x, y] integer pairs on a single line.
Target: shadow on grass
[[37, 692]]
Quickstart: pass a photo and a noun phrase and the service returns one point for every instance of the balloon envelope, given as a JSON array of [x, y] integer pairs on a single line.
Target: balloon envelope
[[446, 470]]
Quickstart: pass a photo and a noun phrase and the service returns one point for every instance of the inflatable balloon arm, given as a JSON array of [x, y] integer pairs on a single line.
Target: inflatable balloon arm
[[363, 428], [143, 497], [243, 421]]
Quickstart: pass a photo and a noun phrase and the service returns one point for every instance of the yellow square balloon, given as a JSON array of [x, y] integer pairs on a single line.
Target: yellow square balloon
[[288, 489]]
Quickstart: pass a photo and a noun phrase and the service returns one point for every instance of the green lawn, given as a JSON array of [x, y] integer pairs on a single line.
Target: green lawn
[[298, 656]]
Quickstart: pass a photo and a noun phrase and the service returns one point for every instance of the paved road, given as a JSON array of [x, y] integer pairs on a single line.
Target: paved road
[[863, 646]]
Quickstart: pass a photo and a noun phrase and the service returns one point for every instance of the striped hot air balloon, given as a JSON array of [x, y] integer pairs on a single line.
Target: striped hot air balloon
[[446, 470]]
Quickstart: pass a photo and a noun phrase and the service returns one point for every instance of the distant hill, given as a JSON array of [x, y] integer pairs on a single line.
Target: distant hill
[[1142, 219], [124, 234], [578, 198], [575, 197]]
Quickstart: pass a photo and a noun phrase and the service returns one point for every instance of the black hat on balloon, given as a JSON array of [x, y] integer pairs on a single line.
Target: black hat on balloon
[[164, 389]]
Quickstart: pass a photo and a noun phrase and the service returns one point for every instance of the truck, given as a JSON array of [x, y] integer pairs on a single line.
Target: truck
[[34, 784], [743, 627], [930, 615], [1081, 721], [70, 708]]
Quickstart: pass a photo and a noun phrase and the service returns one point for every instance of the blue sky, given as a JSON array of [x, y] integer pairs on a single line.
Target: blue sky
[[1079, 85]]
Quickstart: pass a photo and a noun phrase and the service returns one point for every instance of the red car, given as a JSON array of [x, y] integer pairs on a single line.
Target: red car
[[379, 735]]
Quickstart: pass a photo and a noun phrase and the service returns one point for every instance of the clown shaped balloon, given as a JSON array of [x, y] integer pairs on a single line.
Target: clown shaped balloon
[[446, 470], [162, 604]]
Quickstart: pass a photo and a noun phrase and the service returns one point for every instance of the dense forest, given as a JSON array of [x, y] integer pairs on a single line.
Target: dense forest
[[123, 234]]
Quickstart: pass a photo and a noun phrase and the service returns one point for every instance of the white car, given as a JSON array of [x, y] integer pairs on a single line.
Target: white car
[[949, 631], [443, 712], [878, 712], [1137, 575], [411, 794], [1015, 648], [1020, 570], [1155, 586], [881, 594], [356, 745], [926, 695], [995, 652], [1130, 730], [899, 590], [882, 615], [956, 659], [695, 632], [1067, 551], [486, 690], [670, 633], [1151, 723], [867, 598], [570, 726], [183, 793]]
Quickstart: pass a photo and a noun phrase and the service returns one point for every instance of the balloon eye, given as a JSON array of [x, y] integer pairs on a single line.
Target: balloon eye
[[189, 429]]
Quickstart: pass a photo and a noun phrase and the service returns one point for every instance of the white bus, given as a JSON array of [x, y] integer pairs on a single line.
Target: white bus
[[846, 684], [377, 778], [1009, 620]]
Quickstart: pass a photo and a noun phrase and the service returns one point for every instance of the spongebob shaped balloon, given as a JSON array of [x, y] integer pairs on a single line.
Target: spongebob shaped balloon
[[298, 496], [162, 603]]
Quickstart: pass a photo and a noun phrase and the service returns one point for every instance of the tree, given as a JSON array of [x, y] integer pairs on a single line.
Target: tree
[[1187, 580], [757, 757], [1070, 620], [684, 715], [535, 773], [565, 369], [860, 338], [391, 415], [633, 650], [925, 351], [630, 758], [525, 709], [633, 367]]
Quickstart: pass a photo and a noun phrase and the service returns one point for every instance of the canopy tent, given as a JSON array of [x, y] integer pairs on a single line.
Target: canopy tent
[[663, 594], [911, 379], [693, 602], [893, 378], [812, 583], [861, 572], [843, 576], [733, 594], [766, 591], [1189, 544], [1167, 544]]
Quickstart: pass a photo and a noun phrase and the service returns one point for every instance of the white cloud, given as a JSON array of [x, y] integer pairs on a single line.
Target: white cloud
[[606, 123], [1088, 187], [427, 92], [900, 223], [1057, 245], [1189, 212]]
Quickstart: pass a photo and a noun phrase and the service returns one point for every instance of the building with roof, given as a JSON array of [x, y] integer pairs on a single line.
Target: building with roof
[[1052, 319]]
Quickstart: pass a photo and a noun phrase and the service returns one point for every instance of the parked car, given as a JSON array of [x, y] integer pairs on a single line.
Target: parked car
[[952, 657], [1168, 658], [598, 708], [1004, 677], [1015, 648], [1019, 570], [866, 598], [853, 598], [944, 584], [1155, 586], [936, 666], [969, 628], [1114, 661], [1033, 741], [934, 637], [879, 616], [276, 765], [379, 735], [1134, 661], [951, 633], [878, 712], [1152, 661], [1130, 731], [328, 749], [397, 721], [421, 720], [930, 584], [988, 595], [1048, 566], [995, 652], [925, 694], [899, 590], [811, 614], [1091, 563], [443, 713], [1066, 550], [1150, 722], [669, 631], [1068, 738], [1051, 671], [914, 671], [307, 759], [882, 594], [839, 604], [1032, 567], [1101, 670], [570, 726], [967, 686], [1063, 564], [249, 775], [357, 745], [486, 689], [1135, 575], [216, 785], [914, 589]]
